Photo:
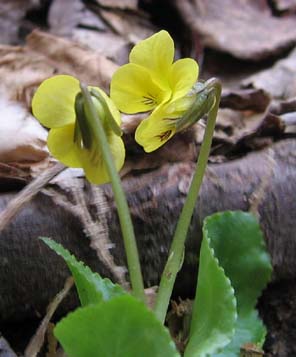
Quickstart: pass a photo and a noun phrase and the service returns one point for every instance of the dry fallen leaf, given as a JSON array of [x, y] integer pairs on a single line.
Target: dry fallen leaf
[[12, 176], [285, 5], [283, 106], [22, 138], [133, 26], [108, 44], [60, 24], [120, 4], [12, 13], [20, 72], [251, 350], [110, 27], [245, 99], [69, 57], [279, 80], [245, 29], [22, 69], [242, 131]]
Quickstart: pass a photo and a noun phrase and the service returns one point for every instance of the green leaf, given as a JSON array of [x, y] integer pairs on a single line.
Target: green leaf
[[92, 289], [248, 328], [239, 246], [214, 310], [121, 327]]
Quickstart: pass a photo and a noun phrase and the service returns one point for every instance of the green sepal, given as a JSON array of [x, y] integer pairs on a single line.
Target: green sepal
[[205, 99], [108, 115], [82, 129]]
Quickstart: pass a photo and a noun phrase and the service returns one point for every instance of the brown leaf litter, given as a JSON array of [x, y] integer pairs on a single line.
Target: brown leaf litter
[[244, 29]]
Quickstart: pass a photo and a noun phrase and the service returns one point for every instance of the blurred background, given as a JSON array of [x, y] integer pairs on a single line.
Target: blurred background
[[248, 44]]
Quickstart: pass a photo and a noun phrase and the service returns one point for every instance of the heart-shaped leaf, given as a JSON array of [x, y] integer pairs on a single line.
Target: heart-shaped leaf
[[120, 327]]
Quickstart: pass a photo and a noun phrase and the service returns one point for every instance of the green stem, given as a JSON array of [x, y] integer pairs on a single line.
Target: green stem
[[130, 244], [174, 261]]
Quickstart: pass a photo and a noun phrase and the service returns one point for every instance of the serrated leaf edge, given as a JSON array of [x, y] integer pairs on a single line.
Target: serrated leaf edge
[[79, 264]]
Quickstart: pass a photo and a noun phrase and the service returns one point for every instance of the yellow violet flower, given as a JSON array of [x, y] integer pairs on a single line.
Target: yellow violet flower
[[152, 81], [161, 125], [69, 139]]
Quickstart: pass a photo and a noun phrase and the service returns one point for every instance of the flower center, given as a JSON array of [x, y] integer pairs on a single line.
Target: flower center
[[149, 99]]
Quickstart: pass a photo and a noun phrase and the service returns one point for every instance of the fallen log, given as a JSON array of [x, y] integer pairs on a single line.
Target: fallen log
[[30, 274]]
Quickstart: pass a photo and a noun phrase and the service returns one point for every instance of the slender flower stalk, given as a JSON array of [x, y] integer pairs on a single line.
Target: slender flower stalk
[[177, 248], [120, 199]]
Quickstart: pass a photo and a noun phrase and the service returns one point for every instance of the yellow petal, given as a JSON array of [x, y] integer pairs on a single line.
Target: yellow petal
[[183, 76], [93, 165], [133, 91], [156, 53], [155, 131], [53, 102], [61, 145]]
